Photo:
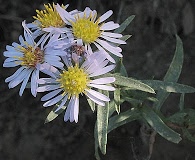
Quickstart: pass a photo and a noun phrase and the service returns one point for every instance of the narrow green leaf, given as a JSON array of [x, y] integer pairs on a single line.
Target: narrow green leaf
[[91, 104], [135, 96], [190, 116], [52, 115], [123, 118], [132, 83], [185, 117], [124, 24], [117, 99], [125, 37], [173, 72], [178, 118], [133, 101], [120, 68], [181, 102], [159, 126], [188, 135], [169, 86], [102, 124], [111, 107], [97, 156]]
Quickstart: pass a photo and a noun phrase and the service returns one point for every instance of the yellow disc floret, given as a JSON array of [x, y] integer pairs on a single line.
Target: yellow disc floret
[[49, 17], [31, 56], [73, 81], [86, 29]]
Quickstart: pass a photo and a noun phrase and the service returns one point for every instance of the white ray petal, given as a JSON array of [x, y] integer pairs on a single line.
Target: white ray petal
[[109, 26], [51, 95], [95, 99], [98, 95], [68, 111], [66, 17], [102, 71], [53, 101], [87, 11], [107, 46], [48, 88], [62, 103], [114, 40], [105, 16], [110, 34], [107, 54], [96, 67], [103, 87], [105, 80], [74, 110], [46, 80]]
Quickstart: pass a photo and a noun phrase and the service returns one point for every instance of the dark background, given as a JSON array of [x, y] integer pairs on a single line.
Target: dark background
[[147, 55]]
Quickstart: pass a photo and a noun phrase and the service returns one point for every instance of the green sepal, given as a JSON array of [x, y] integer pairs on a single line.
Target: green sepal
[[52, 115]]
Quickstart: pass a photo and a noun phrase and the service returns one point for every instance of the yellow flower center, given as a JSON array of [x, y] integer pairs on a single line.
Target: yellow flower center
[[31, 56], [86, 29], [49, 17], [73, 81]]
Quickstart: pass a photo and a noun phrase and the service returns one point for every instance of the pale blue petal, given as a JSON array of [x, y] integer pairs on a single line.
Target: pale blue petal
[[62, 103], [48, 88], [53, 101], [34, 84], [24, 83], [14, 75], [19, 78], [50, 95]]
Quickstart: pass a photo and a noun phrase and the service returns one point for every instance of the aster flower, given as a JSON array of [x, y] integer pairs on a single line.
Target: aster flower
[[87, 29], [48, 22], [30, 58], [78, 80]]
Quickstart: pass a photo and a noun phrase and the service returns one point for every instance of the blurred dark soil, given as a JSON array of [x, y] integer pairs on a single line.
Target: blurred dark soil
[[147, 55]]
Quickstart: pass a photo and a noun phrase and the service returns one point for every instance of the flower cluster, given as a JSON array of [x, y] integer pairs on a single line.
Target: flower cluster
[[73, 49]]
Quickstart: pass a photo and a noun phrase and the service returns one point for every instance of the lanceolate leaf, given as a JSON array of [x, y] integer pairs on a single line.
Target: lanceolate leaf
[[117, 100], [120, 68], [91, 104], [159, 126], [132, 83], [187, 134], [123, 118], [52, 115], [169, 86], [181, 102], [97, 156], [173, 72], [124, 24], [102, 125]]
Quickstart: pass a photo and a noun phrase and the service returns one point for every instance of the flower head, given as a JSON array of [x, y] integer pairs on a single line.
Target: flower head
[[78, 80], [88, 29], [49, 17], [48, 22], [31, 58]]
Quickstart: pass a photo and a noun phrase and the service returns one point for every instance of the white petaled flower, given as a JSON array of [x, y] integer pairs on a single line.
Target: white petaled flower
[[31, 59], [48, 22], [78, 80], [87, 29]]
